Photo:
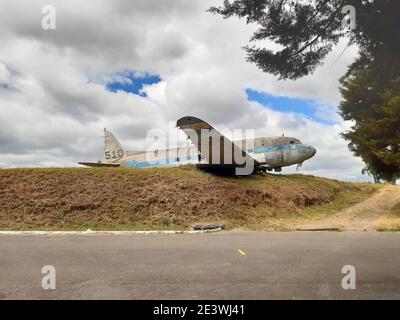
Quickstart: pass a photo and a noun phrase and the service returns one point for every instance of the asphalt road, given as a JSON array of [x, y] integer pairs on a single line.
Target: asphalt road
[[226, 265]]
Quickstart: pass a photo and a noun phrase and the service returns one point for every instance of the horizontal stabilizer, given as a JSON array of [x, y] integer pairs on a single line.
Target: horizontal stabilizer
[[99, 164]]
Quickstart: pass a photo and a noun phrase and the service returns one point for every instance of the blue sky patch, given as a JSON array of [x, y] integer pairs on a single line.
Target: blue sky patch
[[306, 107], [131, 82]]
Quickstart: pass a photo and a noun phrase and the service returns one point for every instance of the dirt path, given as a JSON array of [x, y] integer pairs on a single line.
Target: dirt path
[[362, 216]]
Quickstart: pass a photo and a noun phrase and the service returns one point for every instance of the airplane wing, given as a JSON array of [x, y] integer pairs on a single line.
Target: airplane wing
[[214, 147]]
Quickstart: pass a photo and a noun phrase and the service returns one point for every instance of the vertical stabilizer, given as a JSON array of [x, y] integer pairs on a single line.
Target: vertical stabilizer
[[113, 150]]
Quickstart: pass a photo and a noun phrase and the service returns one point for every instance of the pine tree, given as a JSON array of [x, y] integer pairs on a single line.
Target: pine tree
[[371, 94]]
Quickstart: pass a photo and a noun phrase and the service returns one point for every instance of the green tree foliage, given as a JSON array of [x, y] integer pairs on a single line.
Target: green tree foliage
[[305, 32], [371, 94]]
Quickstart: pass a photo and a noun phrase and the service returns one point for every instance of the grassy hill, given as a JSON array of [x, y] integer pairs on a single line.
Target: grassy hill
[[173, 198]]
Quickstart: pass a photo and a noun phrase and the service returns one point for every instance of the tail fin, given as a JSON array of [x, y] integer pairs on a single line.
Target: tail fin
[[113, 150]]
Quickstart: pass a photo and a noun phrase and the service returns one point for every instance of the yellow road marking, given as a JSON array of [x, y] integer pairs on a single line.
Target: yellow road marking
[[242, 252]]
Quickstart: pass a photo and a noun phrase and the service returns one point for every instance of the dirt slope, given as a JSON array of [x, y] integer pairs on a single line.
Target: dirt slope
[[173, 198], [362, 216]]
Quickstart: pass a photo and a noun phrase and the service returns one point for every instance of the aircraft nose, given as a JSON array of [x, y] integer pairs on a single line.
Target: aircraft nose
[[311, 151]]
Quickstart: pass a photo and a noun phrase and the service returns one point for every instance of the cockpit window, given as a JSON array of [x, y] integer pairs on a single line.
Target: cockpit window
[[294, 141]]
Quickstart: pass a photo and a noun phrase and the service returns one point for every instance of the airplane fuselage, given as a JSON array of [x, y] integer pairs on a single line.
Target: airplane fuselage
[[270, 153]]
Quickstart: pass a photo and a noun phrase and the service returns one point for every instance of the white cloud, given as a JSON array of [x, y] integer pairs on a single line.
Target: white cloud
[[4, 74], [54, 105]]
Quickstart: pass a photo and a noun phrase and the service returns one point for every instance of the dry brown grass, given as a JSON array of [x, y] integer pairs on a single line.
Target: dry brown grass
[[174, 198], [390, 221]]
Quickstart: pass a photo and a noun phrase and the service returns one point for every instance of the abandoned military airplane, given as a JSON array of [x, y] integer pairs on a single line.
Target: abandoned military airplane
[[210, 150]]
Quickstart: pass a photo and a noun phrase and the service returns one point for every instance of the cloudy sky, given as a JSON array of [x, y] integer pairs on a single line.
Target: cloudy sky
[[133, 66]]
